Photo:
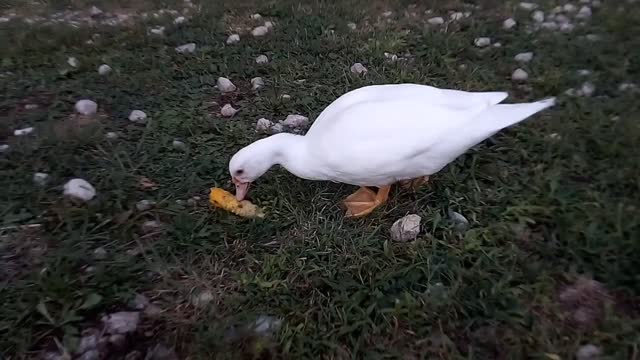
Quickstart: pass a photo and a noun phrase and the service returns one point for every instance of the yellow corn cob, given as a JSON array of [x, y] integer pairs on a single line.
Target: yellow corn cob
[[225, 200]]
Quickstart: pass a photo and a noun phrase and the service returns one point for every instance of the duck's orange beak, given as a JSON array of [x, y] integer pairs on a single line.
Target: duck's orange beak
[[242, 188]]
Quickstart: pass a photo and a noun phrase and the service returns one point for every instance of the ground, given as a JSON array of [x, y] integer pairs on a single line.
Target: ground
[[548, 264]]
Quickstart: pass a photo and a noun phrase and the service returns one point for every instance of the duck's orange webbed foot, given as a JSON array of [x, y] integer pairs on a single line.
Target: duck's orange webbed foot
[[364, 201]]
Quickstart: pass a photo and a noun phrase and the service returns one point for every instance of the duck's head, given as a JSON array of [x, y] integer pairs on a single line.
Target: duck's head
[[250, 163]]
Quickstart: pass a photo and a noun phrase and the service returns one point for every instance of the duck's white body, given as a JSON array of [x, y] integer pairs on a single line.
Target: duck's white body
[[378, 135]]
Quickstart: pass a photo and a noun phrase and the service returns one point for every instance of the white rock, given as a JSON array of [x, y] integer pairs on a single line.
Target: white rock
[[225, 85], [121, 322], [263, 125], [186, 48], [79, 189], [269, 25], [95, 11], [391, 57], [436, 21], [31, 106], [257, 83], [158, 30], [519, 75], [260, 31], [151, 226], [524, 57], [178, 145], [497, 45], [285, 97], [358, 68], [588, 352], [86, 107], [538, 16], [23, 131], [549, 25], [233, 38], [138, 116], [4, 148], [555, 136], [482, 41], [352, 26], [456, 16], [262, 59], [569, 8], [73, 62], [592, 37], [139, 302], [583, 72], [179, 20], [104, 69], [265, 325], [296, 121], [100, 253], [4, 19], [460, 223], [508, 24], [144, 205], [111, 135], [561, 19], [277, 128], [387, 13], [256, 16], [202, 299], [587, 89], [88, 342], [228, 110], [567, 27], [528, 6], [556, 10], [406, 228], [627, 86], [584, 13], [40, 178]]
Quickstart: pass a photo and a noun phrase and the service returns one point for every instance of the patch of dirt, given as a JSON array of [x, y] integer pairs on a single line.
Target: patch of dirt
[[22, 249], [584, 302]]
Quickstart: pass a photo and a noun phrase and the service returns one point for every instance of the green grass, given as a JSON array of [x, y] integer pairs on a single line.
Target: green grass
[[543, 212]]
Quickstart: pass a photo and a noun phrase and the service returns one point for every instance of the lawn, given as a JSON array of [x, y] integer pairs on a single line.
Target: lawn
[[547, 268]]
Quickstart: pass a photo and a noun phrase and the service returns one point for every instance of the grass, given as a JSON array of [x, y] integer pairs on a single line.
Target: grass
[[546, 213]]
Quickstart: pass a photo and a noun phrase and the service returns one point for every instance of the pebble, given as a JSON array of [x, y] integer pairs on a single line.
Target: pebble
[[95, 11], [519, 75], [138, 116], [100, 253], [263, 124], [277, 128], [406, 228], [104, 69], [257, 83], [592, 37], [352, 26], [569, 8], [262, 59], [178, 145], [73, 62], [111, 135], [121, 322], [528, 6], [549, 25], [23, 131], [228, 110], [4, 148], [265, 325], [497, 45], [86, 107], [88, 342], [79, 189], [460, 223], [482, 41], [436, 21], [567, 27], [583, 72], [524, 57], [40, 178], [158, 30], [225, 85], [139, 302], [561, 19], [555, 136], [391, 57], [256, 16], [387, 13], [588, 352], [456, 16], [538, 16], [587, 89], [144, 205], [186, 48], [31, 106], [584, 13], [509, 23], [260, 31], [269, 25], [233, 38], [150, 226], [285, 97], [296, 121], [202, 299], [179, 20], [627, 86], [358, 68]]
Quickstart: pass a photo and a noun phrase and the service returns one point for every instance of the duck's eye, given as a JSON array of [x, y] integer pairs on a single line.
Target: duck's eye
[[239, 172]]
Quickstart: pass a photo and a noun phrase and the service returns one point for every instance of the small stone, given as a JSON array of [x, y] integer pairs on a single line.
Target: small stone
[[277, 128], [260, 31], [100, 253], [497, 45], [571, 92], [584, 13], [561, 19], [256, 16], [528, 6], [79, 189], [359, 69], [524, 57], [262, 59], [95, 11], [285, 97], [269, 25], [138, 116], [482, 41], [179, 145], [352, 26], [592, 37], [509, 23], [228, 110], [257, 83], [587, 89], [86, 107], [456, 16], [265, 325], [233, 38], [144, 205], [158, 30], [104, 69], [387, 13], [569, 8], [460, 223], [40, 178], [583, 72], [538, 16], [139, 302], [627, 86], [549, 25], [555, 136], [225, 85], [567, 27], [391, 57], [556, 10], [121, 322], [406, 228], [31, 106], [73, 62], [23, 131], [296, 121], [151, 226], [179, 20], [111, 135], [202, 299], [186, 48], [89, 341], [4, 148], [263, 124], [436, 21], [588, 352]]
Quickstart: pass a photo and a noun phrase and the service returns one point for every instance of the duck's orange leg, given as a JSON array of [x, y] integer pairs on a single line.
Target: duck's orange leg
[[414, 184], [364, 201]]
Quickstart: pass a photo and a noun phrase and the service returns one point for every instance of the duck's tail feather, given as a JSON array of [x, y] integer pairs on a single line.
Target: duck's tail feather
[[501, 116]]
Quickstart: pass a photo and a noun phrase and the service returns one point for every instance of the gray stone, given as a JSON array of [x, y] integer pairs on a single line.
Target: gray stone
[[406, 228]]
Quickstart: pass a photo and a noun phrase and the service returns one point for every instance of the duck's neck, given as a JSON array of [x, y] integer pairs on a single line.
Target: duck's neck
[[292, 152]]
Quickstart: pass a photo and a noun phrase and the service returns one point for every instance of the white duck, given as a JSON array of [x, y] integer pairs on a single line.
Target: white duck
[[382, 134]]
